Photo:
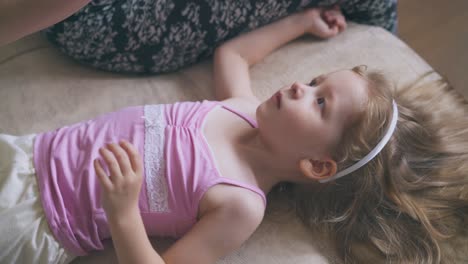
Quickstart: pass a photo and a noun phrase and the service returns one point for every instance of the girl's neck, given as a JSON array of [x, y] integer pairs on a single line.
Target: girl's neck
[[267, 166]]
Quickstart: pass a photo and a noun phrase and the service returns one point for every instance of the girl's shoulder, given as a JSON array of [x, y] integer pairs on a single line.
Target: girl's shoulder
[[239, 203]]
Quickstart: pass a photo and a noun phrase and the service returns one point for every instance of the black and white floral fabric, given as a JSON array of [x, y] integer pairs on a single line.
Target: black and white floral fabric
[[156, 36]]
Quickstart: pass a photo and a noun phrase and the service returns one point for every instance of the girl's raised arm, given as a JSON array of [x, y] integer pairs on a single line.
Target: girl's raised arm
[[19, 18], [233, 58]]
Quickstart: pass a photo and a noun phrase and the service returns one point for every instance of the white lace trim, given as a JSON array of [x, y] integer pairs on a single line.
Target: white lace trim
[[155, 162]]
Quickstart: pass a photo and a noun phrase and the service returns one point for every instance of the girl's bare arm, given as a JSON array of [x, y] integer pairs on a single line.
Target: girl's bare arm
[[19, 18], [233, 59]]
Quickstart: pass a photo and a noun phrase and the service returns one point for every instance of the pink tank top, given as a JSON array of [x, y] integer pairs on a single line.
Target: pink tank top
[[178, 163]]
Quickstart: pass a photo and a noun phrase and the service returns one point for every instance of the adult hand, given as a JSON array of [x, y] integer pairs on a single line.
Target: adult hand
[[324, 22], [120, 189]]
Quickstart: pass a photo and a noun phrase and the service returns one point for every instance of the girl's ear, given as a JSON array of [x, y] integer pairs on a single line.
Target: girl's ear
[[318, 169]]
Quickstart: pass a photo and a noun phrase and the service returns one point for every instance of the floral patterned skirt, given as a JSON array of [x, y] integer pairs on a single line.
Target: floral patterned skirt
[[157, 36]]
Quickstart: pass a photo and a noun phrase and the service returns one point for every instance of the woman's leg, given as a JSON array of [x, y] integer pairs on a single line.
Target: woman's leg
[[382, 13], [156, 36]]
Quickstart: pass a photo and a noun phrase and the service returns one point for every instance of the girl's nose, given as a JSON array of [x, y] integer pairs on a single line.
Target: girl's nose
[[297, 90]]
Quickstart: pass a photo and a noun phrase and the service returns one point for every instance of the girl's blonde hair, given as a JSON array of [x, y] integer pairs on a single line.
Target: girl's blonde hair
[[412, 195]]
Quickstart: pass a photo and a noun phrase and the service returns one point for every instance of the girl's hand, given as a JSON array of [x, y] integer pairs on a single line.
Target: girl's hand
[[324, 23], [120, 190]]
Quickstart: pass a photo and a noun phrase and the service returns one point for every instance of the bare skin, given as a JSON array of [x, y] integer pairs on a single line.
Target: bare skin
[[19, 18]]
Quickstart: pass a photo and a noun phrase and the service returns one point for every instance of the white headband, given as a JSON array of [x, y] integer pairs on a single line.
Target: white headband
[[373, 152]]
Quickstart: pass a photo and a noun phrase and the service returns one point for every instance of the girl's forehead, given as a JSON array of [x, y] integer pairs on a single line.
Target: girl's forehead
[[345, 80], [350, 91], [339, 75]]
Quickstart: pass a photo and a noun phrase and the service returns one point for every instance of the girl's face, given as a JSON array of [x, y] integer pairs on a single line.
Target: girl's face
[[308, 120]]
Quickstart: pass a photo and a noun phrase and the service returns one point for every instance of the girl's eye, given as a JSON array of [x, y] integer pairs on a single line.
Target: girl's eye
[[313, 82], [321, 102]]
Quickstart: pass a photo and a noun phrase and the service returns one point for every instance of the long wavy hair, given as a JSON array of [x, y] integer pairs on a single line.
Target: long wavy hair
[[411, 196]]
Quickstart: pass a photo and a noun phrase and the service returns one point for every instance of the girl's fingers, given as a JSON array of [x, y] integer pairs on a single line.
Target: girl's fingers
[[334, 30], [332, 13], [112, 163], [329, 32], [337, 21], [341, 22], [344, 25], [122, 158], [101, 174], [330, 19], [333, 22], [134, 156]]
